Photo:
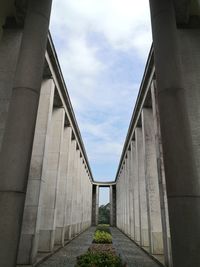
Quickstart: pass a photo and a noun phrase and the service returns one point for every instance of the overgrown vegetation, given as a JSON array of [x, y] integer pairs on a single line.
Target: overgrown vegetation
[[104, 214], [98, 259], [102, 237]]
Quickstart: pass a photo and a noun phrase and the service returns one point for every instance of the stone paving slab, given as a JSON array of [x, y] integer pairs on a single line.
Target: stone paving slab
[[130, 252]]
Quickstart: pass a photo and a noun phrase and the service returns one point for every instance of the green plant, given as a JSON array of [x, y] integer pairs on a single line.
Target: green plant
[[102, 237], [103, 227], [98, 259]]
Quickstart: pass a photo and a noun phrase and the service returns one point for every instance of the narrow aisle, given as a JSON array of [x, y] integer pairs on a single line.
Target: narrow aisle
[[66, 257], [131, 253]]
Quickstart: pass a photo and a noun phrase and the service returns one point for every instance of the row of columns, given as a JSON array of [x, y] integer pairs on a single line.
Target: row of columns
[[164, 147], [95, 203], [58, 202], [141, 210], [58, 195]]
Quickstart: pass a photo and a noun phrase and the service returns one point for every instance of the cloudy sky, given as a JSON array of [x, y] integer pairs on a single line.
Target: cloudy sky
[[102, 46]]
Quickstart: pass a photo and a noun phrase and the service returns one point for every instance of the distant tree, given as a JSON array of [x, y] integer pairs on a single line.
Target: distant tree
[[104, 214]]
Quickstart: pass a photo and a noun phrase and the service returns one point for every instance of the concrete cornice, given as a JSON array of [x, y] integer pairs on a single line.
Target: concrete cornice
[[104, 184], [147, 73], [54, 60]]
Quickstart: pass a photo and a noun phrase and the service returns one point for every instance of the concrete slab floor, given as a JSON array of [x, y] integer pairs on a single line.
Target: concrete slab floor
[[130, 253]]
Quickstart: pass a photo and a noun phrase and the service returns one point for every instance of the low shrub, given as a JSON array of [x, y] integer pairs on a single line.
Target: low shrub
[[102, 237], [98, 259], [103, 227]]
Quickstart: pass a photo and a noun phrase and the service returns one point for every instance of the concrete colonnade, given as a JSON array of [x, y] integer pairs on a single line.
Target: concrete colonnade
[[138, 188], [162, 142], [59, 180], [55, 203], [141, 202]]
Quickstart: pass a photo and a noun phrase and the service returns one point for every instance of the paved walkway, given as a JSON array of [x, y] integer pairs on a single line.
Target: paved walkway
[[130, 253], [66, 257]]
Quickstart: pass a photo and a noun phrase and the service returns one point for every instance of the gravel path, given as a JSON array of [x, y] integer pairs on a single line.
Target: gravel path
[[130, 253]]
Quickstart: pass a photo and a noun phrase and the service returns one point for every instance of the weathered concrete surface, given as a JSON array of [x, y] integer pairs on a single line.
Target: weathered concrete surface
[[144, 242], [14, 161], [181, 172], [151, 176], [10, 45], [32, 211], [52, 179]]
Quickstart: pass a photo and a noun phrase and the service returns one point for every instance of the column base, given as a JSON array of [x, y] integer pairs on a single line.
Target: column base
[[27, 253], [46, 240], [60, 236]]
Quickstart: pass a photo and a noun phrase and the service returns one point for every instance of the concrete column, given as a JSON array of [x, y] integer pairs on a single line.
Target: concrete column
[[111, 205], [82, 184], [136, 194], [182, 180], [151, 175], [131, 192], [124, 197], [144, 242], [15, 161], [72, 188], [76, 180], [69, 189], [127, 193], [62, 188], [162, 181], [74, 194], [97, 204], [32, 212], [52, 179], [9, 45], [79, 195]]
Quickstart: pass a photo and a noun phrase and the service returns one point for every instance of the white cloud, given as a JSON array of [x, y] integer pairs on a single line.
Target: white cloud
[[121, 22], [102, 99]]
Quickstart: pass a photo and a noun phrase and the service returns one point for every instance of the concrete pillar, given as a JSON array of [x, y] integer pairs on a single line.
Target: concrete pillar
[[97, 204], [74, 194], [144, 241], [62, 188], [111, 205], [15, 161], [32, 212], [151, 175], [162, 181], [79, 195], [124, 196], [182, 180], [131, 192], [69, 189], [51, 184], [82, 184], [128, 194], [136, 194], [9, 45]]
